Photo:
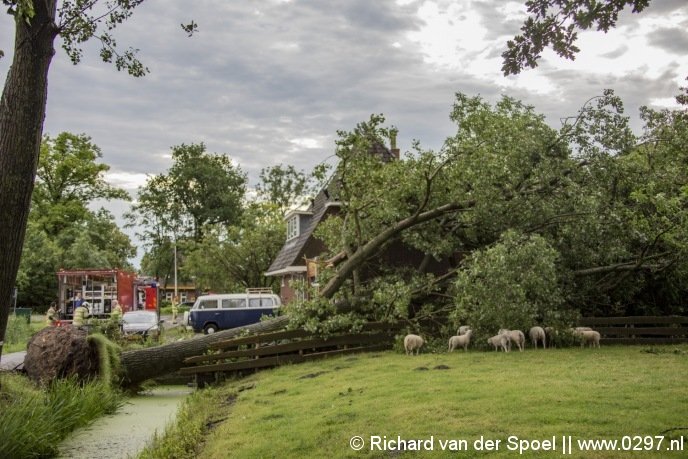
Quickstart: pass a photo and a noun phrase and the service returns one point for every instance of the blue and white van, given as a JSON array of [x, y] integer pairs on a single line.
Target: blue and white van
[[222, 311]]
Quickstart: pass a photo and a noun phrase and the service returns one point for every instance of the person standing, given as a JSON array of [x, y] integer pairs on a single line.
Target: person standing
[[80, 315], [175, 309], [78, 301], [51, 315], [116, 313]]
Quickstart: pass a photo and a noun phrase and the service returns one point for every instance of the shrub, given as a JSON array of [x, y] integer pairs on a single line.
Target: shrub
[[512, 284], [34, 421]]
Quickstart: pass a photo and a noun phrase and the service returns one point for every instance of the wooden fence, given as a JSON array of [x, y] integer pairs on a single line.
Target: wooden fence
[[639, 329], [277, 348]]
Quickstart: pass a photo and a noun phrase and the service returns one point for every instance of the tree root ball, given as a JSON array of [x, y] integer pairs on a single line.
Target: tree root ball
[[60, 352]]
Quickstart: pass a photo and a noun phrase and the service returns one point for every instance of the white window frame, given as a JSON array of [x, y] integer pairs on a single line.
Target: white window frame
[[293, 229]]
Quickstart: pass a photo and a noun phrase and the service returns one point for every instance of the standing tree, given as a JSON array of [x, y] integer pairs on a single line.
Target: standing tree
[[23, 102], [199, 191], [287, 188], [235, 257], [208, 187], [63, 232], [68, 179]]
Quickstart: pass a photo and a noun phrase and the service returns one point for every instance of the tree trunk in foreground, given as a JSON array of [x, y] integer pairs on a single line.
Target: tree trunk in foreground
[[142, 364], [22, 111]]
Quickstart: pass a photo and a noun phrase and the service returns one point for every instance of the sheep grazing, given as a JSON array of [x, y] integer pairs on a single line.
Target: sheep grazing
[[499, 341], [552, 336], [537, 335], [515, 336], [460, 341], [589, 337], [413, 343], [463, 329], [582, 329]]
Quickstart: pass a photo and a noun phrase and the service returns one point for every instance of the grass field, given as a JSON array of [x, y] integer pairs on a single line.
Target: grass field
[[18, 332], [313, 410]]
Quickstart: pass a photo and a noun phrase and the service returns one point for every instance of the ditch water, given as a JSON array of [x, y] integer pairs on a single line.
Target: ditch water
[[125, 433]]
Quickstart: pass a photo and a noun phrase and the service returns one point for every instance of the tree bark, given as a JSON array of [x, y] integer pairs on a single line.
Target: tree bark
[[22, 111], [142, 364]]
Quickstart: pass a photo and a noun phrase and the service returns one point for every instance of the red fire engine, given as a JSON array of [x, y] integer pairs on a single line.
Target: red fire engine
[[100, 287]]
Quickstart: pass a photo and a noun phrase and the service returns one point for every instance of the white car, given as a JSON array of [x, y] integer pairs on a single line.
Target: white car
[[144, 323]]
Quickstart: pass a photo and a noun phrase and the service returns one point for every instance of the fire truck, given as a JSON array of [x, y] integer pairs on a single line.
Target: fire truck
[[100, 287]]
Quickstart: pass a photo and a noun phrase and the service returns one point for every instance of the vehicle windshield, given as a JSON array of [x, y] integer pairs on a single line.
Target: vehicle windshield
[[140, 318]]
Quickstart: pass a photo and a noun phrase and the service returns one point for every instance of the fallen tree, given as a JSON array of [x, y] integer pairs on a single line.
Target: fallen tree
[[142, 364], [58, 352]]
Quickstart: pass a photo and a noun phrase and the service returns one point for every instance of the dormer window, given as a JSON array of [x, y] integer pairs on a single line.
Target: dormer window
[[293, 227]]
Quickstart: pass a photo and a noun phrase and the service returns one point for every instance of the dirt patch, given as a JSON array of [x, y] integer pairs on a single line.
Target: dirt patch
[[60, 352], [441, 367], [421, 369], [210, 425], [312, 375]]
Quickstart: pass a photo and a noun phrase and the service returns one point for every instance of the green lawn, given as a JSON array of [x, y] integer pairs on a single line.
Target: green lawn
[[313, 410], [19, 332]]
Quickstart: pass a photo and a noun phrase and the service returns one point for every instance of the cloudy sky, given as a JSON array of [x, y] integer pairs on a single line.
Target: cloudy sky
[[271, 81]]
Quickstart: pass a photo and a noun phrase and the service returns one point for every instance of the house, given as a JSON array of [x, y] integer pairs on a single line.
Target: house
[[186, 292], [301, 244]]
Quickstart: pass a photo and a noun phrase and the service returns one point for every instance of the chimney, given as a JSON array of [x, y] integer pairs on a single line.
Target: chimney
[[393, 143]]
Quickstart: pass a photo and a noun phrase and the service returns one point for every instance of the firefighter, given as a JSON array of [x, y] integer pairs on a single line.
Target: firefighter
[[175, 309], [116, 314], [51, 315], [80, 315]]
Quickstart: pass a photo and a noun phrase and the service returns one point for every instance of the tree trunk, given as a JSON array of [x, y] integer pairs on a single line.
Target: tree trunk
[[142, 364], [22, 111]]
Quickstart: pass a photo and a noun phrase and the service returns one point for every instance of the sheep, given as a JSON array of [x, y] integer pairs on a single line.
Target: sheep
[[463, 329], [537, 334], [552, 335], [460, 341], [516, 336], [581, 329], [499, 341], [589, 337], [413, 343]]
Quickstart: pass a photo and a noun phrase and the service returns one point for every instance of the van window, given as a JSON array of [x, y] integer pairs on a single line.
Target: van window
[[261, 303], [233, 303], [207, 304]]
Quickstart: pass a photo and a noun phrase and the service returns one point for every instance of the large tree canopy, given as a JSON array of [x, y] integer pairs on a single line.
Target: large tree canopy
[[68, 179], [608, 208], [182, 207]]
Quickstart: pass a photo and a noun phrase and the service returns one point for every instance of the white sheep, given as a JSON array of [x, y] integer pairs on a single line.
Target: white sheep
[[515, 336], [413, 343], [460, 341], [589, 337], [463, 329], [499, 341], [537, 334], [581, 329]]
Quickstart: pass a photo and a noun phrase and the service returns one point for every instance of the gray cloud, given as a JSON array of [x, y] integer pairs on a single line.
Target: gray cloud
[[618, 52], [662, 7], [673, 40]]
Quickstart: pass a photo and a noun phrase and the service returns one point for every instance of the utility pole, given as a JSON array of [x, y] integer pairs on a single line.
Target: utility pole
[[176, 293]]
